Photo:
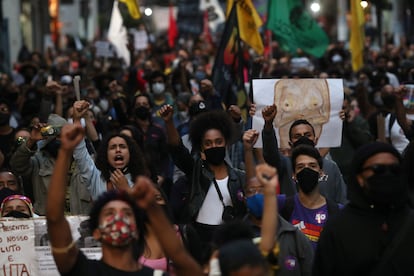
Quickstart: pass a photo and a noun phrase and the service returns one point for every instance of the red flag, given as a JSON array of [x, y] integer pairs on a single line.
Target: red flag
[[172, 30], [206, 28]]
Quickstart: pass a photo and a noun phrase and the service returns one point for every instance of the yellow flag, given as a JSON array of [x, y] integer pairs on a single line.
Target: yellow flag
[[249, 23], [132, 8], [357, 40]]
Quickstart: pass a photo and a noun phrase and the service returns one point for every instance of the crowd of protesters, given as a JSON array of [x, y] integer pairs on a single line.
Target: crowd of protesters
[[171, 179]]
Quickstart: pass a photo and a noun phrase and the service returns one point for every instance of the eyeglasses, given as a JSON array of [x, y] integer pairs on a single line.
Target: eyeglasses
[[381, 169]]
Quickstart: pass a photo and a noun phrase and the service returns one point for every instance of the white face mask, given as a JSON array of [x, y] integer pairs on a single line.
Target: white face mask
[[158, 88]]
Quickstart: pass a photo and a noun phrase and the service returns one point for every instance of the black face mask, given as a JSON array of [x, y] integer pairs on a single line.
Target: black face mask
[[142, 113], [303, 140], [197, 108], [307, 180], [16, 214], [385, 189], [215, 156], [389, 100], [53, 147], [4, 119]]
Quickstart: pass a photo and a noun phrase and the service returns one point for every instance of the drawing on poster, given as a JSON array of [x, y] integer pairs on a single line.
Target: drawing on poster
[[301, 99]]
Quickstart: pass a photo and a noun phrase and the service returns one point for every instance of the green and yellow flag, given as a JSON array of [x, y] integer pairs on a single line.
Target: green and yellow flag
[[249, 23], [357, 39]]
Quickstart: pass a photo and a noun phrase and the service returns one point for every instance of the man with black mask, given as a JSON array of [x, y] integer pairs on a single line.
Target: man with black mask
[[35, 158], [372, 235], [308, 209], [331, 183]]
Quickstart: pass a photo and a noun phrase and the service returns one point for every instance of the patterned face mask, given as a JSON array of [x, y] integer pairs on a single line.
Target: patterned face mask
[[118, 230]]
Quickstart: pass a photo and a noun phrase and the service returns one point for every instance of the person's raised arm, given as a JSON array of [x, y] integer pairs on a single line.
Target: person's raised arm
[[249, 139], [267, 175], [144, 194], [166, 113], [400, 110], [270, 146], [80, 110], [64, 249]]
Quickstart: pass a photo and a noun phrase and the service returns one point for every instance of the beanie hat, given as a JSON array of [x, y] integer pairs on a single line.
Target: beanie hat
[[366, 151]]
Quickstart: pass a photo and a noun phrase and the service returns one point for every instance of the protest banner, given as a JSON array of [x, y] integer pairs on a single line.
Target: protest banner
[[318, 101], [25, 248], [17, 253]]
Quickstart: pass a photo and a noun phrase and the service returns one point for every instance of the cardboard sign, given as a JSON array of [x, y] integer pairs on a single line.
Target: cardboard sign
[[25, 248]]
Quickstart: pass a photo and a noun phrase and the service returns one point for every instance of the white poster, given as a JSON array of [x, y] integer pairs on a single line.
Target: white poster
[[318, 101], [140, 39], [17, 253], [25, 248]]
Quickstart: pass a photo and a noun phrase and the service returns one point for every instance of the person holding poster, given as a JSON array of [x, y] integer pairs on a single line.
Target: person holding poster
[[116, 219], [331, 183]]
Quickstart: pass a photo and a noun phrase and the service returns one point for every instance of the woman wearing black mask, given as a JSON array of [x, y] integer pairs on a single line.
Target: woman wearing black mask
[[216, 187], [308, 209]]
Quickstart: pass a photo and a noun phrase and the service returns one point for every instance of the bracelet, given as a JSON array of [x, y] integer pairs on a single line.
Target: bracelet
[[63, 250]]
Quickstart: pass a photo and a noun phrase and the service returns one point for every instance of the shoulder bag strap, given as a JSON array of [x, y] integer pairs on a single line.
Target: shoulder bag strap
[[219, 192]]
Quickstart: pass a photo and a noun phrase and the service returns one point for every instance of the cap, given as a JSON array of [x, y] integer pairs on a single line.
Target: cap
[[370, 149]]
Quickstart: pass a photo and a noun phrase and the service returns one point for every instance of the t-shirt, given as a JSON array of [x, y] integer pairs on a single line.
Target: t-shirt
[[211, 210], [309, 221], [89, 267]]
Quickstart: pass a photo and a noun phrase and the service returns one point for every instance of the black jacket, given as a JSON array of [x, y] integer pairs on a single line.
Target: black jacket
[[200, 178], [358, 240]]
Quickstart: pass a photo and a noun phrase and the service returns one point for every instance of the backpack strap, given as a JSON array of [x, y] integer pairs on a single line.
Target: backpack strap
[[287, 209]]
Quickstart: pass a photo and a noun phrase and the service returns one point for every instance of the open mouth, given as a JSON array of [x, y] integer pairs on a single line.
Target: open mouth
[[119, 158]]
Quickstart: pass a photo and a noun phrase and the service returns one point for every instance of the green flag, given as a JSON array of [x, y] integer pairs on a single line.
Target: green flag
[[294, 28]]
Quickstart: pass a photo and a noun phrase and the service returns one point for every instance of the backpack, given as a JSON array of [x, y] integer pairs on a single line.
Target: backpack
[[287, 210]]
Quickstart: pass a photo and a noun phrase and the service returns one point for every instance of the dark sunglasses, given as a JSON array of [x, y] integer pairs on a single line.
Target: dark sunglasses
[[381, 169]]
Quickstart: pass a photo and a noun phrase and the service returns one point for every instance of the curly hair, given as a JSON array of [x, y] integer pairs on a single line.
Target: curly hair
[[136, 165], [214, 119], [139, 214]]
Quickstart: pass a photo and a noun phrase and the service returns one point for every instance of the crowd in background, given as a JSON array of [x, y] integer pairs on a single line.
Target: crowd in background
[[162, 118]]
